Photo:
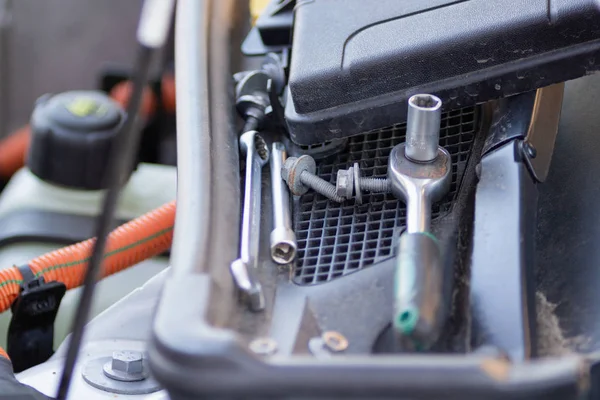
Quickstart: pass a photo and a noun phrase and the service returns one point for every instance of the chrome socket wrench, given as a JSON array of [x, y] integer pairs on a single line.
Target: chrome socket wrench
[[283, 238], [420, 173], [243, 269]]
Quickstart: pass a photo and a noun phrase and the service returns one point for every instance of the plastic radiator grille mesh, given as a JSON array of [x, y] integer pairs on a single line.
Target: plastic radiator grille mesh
[[338, 239]]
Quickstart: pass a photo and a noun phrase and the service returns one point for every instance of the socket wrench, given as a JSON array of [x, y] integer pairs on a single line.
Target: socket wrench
[[283, 238], [420, 173], [243, 269]]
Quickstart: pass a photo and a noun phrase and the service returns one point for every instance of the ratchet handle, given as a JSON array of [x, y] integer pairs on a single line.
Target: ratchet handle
[[420, 306]]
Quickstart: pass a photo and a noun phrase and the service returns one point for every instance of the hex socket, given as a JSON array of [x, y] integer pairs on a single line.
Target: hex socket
[[283, 238], [423, 127]]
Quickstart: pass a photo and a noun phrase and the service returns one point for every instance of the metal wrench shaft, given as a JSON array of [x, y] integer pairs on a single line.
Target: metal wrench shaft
[[420, 173], [243, 269], [418, 208], [283, 238], [252, 197]]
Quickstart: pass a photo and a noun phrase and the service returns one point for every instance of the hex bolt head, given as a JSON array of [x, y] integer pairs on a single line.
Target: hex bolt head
[[131, 362], [344, 183], [293, 168], [126, 366]]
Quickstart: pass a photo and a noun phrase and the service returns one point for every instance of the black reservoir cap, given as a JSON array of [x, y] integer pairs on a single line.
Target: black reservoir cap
[[72, 134]]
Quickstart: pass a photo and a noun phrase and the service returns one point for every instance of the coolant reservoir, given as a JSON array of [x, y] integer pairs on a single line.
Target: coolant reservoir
[[55, 199]]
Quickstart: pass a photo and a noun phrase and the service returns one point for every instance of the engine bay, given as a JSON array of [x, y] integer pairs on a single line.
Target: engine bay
[[343, 201]]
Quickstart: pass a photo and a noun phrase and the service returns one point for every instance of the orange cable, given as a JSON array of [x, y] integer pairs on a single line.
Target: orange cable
[[144, 237]]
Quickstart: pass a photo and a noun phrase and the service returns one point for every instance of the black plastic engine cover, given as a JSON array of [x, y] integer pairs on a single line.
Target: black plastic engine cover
[[356, 62]]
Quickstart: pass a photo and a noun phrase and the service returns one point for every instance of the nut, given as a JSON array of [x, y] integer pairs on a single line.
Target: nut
[[357, 188], [263, 346], [334, 341], [131, 362], [344, 183]]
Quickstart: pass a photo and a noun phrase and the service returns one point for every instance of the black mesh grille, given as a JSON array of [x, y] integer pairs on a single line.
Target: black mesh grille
[[337, 239]]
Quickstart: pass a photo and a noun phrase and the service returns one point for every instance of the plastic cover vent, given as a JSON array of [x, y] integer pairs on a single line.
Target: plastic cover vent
[[338, 239]]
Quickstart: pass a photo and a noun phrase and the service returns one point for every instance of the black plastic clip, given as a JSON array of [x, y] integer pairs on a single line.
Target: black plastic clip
[[31, 330]]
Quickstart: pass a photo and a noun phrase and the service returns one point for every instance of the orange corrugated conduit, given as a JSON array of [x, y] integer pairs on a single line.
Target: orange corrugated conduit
[[13, 150], [142, 238]]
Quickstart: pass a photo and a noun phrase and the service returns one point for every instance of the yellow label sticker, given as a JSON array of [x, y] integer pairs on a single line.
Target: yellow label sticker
[[85, 106]]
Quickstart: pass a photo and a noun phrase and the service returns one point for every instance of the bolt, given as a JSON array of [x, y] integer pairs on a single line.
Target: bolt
[[346, 182], [530, 150], [299, 174], [320, 186], [376, 185], [126, 366], [130, 362]]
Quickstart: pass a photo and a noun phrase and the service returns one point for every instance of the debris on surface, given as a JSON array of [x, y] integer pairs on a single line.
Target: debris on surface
[[551, 340]]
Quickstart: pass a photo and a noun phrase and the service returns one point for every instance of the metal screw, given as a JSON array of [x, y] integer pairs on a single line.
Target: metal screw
[[263, 346], [126, 366], [346, 182], [530, 150], [376, 185], [299, 174]]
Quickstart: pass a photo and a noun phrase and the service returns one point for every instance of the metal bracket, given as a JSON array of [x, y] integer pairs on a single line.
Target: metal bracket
[[543, 128]]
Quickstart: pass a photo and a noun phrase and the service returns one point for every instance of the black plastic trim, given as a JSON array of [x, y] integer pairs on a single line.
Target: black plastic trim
[[502, 281], [361, 77], [511, 117], [47, 227], [31, 331]]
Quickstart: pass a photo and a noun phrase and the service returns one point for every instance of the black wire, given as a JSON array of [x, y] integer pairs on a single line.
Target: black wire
[[123, 155]]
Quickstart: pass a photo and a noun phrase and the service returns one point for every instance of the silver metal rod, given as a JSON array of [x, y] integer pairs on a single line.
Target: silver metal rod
[[283, 238], [281, 197], [423, 127], [243, 269], [254, 147], [418, 210]]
